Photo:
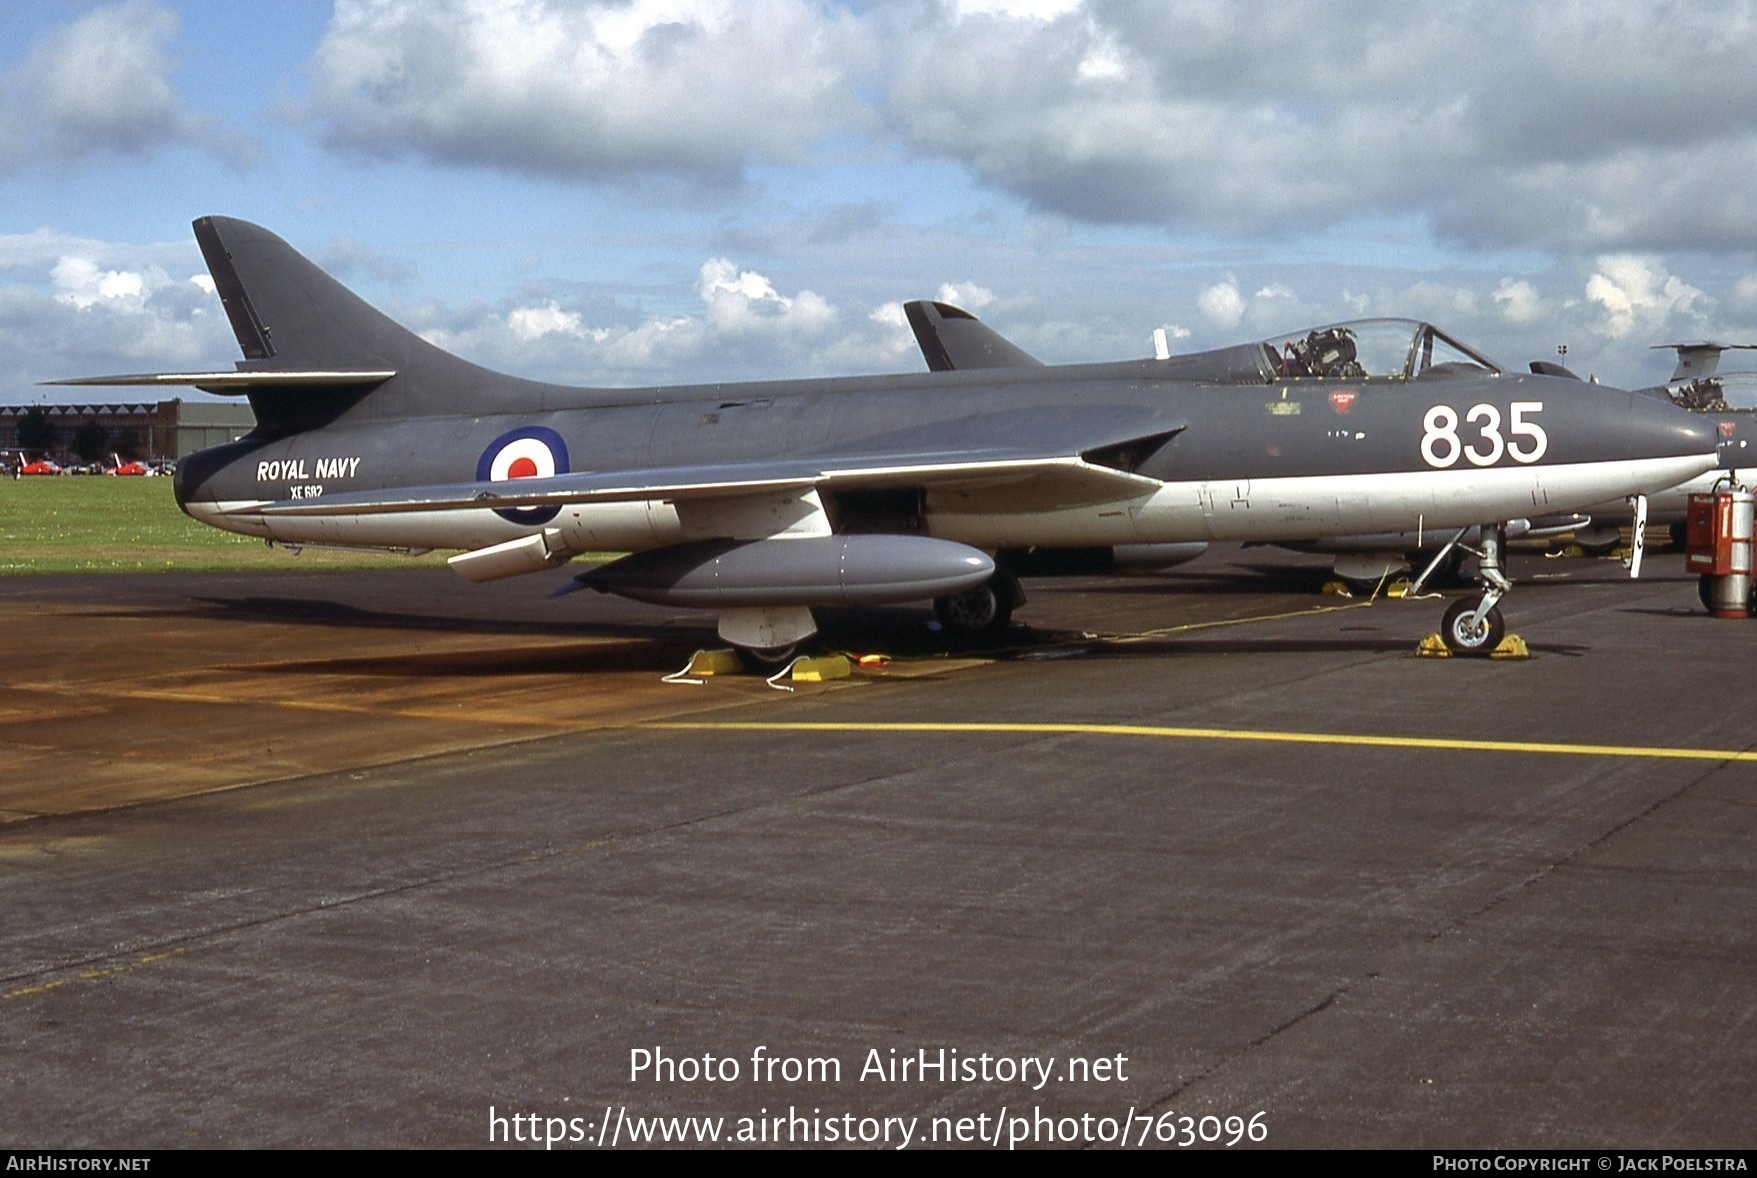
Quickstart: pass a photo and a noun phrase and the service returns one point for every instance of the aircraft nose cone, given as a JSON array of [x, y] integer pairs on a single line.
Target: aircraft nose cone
[[1662, 430], [1703, 432]]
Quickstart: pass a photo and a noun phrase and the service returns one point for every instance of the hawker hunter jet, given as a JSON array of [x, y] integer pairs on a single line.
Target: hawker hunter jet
[[763, 500]]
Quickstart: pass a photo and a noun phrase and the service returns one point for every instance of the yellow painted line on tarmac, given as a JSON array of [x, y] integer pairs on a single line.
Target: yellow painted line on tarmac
[[1245, 735], [91, 975]]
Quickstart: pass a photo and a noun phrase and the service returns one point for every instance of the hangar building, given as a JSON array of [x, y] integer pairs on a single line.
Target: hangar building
[[143, 429]]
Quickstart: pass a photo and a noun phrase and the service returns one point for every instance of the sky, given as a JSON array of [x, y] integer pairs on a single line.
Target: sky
[[635, 192]]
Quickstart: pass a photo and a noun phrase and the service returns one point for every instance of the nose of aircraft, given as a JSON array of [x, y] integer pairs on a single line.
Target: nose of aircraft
[[1659, 429]]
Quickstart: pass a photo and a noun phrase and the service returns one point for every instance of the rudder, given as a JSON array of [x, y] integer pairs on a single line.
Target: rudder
[[290, 316]]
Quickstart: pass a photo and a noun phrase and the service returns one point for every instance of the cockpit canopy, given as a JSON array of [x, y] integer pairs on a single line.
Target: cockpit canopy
[[1373, 349]]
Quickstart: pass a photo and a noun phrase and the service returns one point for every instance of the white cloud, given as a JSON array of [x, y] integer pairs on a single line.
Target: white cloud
[[886, 345], [1022, 9], [100, 84], [1519, 301], [743, 301], [652, 86], [745, 328], [529, 323], [967, 296], [80, 283], [1273, 305], [1276, 116], [77, 307], [1270, 118], [1636, 292], [890, 315], [1222, 304]]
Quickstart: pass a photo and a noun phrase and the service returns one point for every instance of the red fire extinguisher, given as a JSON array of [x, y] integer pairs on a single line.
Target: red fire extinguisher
[[1718, 547]]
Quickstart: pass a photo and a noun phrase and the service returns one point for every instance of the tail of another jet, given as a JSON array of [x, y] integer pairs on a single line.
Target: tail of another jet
[[951, 338]]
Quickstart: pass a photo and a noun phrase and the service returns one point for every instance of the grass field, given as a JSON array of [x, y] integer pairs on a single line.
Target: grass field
[[108, 525]]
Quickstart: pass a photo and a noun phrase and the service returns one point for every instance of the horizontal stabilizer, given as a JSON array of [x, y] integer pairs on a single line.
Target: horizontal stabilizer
[[1698, 359], [237, 382]]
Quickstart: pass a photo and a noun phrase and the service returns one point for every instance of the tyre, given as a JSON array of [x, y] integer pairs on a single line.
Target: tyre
[[766, 661], [983, 610], [1467, 632]]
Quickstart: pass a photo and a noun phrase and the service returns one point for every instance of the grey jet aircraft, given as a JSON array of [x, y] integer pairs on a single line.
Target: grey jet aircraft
[[762, 500]]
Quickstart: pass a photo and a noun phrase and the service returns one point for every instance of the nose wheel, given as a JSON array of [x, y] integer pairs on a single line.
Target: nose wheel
[[1469, 629], [1474, 627]]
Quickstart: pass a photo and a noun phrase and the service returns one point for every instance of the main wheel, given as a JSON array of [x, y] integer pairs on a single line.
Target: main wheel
[[1467, 632], [982, 610], [768, 660]]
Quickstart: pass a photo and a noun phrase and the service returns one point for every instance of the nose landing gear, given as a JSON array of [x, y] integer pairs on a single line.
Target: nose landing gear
[[1474, 628]]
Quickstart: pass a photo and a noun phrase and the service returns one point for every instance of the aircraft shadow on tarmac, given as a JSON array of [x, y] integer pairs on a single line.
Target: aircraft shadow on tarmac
[[510, 662], [659, 644], [610, 634], [660, 648], [330, 614], [624, 645], [1234, 579]]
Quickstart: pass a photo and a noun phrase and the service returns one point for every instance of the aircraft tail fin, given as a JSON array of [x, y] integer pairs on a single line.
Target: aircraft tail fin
[[288, 314], [312, 347], [951, 338], [1698, 359]]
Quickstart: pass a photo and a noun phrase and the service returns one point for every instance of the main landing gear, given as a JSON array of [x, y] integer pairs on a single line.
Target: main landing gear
[[768, 638], [981, 611], [766, 660], [1474, 628]]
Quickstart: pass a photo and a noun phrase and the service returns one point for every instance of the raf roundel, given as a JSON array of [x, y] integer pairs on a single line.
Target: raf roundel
[[534, 452]]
